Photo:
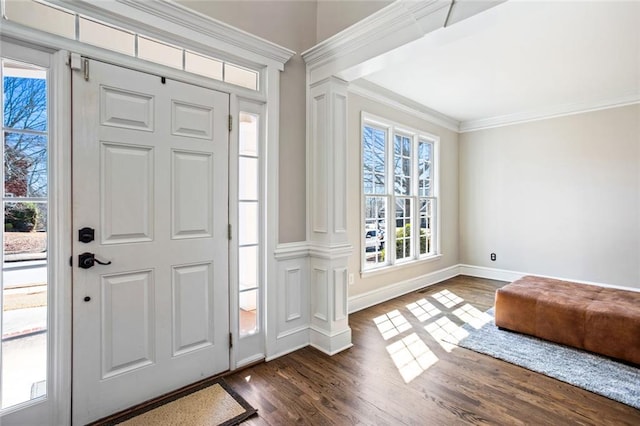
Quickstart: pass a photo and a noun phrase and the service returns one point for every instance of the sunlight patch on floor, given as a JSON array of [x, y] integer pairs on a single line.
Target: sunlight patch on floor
[[446, 333], [411, 356], [447, 298], [472, 316], [391, 324], [423, 310]]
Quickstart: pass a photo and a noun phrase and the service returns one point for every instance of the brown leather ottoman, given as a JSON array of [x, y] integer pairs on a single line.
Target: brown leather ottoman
[[598, 319]]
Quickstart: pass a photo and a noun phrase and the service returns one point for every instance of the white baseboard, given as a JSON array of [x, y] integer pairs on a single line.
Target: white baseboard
[[490, 273], [371, 298], [288, 342], [509, 276]]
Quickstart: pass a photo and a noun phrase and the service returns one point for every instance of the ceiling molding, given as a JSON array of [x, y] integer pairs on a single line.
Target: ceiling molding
[[547, 113], [177, 22], [391, 99], [393, 26]]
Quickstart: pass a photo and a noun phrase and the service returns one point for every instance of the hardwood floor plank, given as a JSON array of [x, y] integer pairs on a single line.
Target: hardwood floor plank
[[363, 385]]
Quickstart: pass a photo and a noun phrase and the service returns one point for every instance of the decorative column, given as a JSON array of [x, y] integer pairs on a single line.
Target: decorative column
[[327, 215]]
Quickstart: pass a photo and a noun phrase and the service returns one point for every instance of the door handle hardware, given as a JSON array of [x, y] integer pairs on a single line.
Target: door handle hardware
[[86, 260]]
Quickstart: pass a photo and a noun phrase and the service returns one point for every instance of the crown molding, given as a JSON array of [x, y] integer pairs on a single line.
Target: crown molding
[[391, 99], [171, 21], [393, 26], [547, 113]]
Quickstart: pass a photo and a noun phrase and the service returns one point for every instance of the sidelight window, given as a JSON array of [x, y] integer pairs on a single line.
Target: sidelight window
[[24, 301]]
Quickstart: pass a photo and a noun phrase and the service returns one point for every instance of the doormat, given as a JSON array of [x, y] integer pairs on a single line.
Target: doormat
[[211, 402]]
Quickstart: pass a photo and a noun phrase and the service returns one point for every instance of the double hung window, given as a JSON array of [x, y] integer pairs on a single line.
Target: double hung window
[[399, 194]]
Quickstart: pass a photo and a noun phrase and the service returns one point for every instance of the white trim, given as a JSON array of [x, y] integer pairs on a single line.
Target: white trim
[[393, 26], [61, 215], [286, 351], [57, 405], [288, 251], [510, 276], [331, 252], [179, 24], [392, 129], [250, 360], [490, 273], [15, 31], [379, 94], [330, 343], [368, 273], [374, 297], [548, 113]]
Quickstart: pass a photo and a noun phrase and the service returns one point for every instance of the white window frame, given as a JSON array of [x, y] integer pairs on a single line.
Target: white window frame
[[392, 129]]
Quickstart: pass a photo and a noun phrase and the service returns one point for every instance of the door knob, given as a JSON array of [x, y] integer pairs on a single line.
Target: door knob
[[86, 260]]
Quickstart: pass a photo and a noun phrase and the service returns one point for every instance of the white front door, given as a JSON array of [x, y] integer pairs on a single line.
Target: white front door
[[150, 176]]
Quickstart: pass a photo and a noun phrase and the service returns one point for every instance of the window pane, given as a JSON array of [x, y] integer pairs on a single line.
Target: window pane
[[202, 65], [403, 229], [373, 160], [42, 17], [24, 308], [375, 231], [402, 165], [25, 165], [25, 97], [424, 168], [248, 134], [426, 208], [159, 53], [240, 76], [106, 36], [248, 312], [248, 179], [248, 267], [248, 220]]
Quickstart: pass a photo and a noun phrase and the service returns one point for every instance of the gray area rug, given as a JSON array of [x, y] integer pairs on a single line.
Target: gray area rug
[[594, 373]]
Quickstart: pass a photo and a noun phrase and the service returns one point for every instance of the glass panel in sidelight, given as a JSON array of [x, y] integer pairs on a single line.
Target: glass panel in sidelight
[[248, 267], [248, 222], [248, 134], [25, 165], [248, 179], [23, 319], [248, 312]]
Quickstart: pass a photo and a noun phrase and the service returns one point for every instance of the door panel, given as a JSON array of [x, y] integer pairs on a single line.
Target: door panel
[[150, 173]]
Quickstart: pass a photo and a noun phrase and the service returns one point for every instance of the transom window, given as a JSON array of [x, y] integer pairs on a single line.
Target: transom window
[[398, 177], [66, 23]]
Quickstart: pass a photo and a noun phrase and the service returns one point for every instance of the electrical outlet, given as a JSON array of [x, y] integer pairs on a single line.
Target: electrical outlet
[[350, 279], [493, 257]]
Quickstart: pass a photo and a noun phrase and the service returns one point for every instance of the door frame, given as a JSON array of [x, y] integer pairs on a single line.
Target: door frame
[[57, 403], [171, 22]]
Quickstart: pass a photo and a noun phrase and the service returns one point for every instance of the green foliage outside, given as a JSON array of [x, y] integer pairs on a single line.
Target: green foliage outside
[[406, 231], [20, 217]]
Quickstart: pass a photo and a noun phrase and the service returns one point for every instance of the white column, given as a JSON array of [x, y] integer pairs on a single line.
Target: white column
[[327, 215]]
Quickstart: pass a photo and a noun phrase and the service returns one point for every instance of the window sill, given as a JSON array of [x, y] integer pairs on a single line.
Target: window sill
[[390, 268]]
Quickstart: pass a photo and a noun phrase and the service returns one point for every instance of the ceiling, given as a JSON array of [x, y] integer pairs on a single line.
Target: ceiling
[[523, 60]]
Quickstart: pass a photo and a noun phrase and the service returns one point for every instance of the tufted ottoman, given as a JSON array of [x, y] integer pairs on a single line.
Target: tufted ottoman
[[598, 319]]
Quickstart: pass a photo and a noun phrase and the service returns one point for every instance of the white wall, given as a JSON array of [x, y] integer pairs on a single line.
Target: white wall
[[448, 197], [558, 197]]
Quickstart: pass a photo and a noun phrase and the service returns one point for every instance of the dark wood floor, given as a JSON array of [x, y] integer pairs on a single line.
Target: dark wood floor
[[362, 385]]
